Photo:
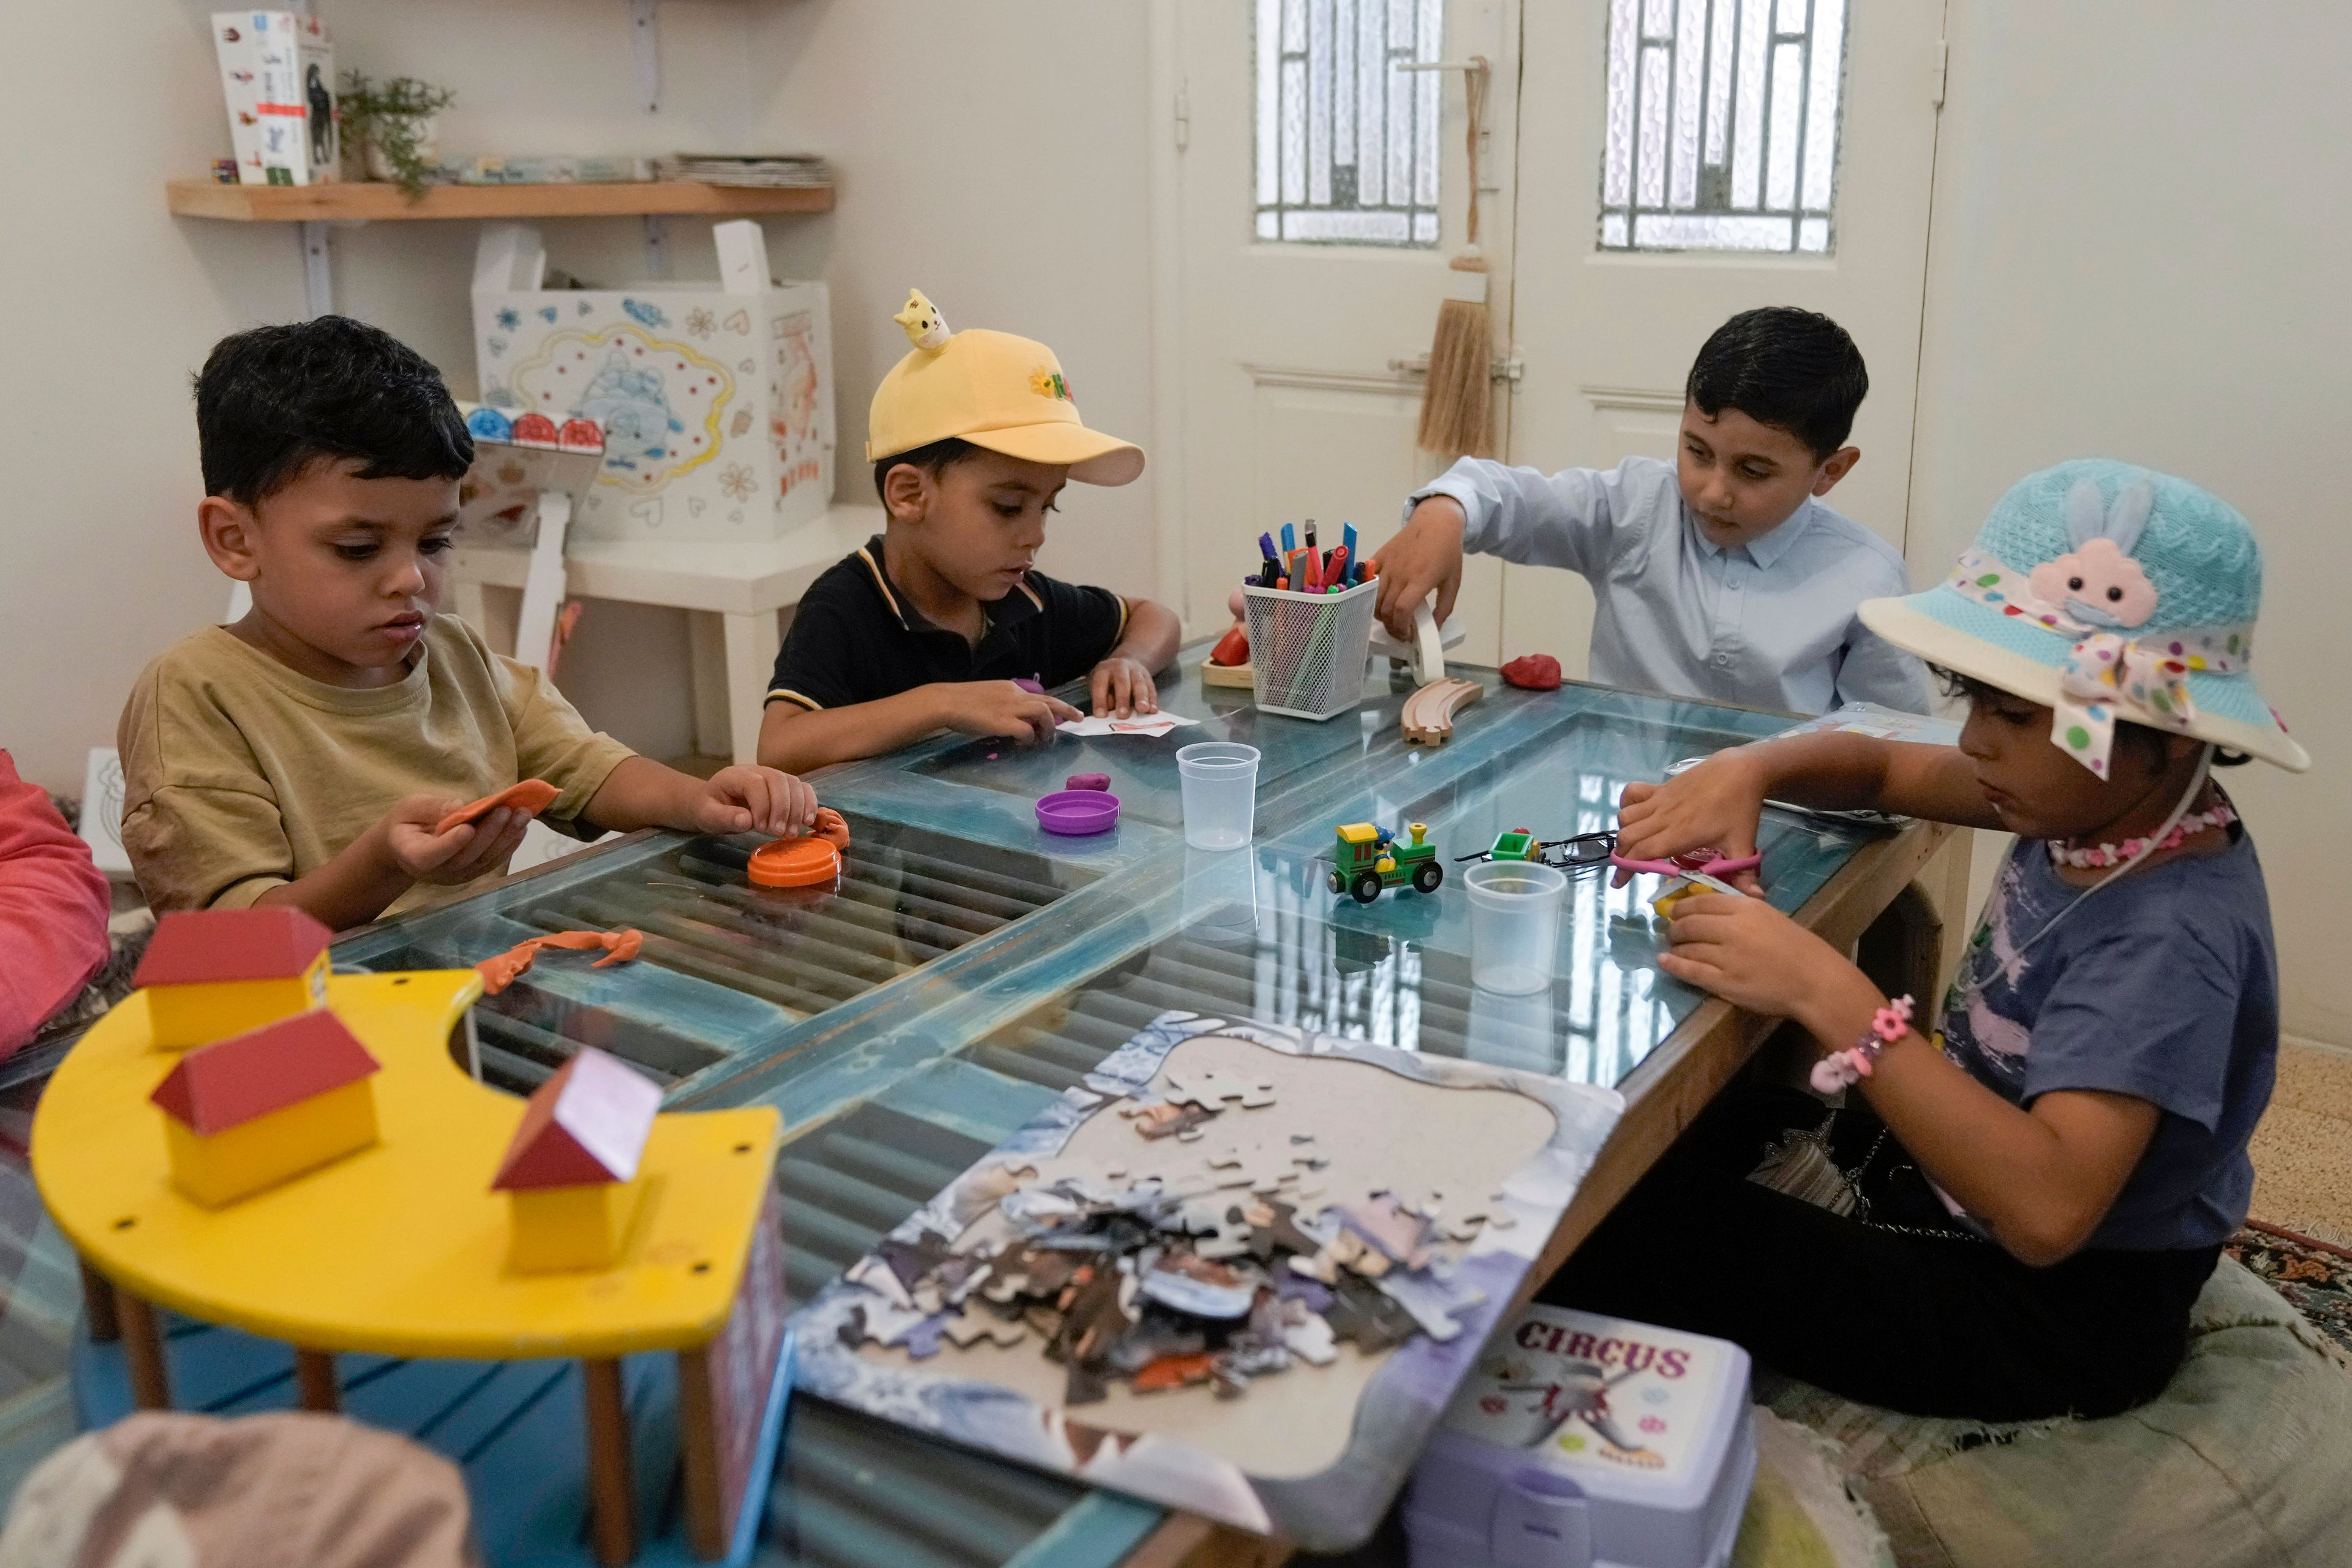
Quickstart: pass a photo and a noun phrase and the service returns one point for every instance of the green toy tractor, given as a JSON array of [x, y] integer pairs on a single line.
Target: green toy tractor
[[1368, 860]]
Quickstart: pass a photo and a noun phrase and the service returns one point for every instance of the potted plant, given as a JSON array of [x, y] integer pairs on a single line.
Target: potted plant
[[393, 123]]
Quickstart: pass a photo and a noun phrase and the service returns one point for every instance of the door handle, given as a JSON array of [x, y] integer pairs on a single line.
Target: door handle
[[1511, 370]]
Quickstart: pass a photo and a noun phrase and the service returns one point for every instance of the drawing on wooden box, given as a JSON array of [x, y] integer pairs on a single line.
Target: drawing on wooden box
[[659, 401]]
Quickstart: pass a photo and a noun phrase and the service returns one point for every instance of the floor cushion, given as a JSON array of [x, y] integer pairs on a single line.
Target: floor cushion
[[2241, 1463]]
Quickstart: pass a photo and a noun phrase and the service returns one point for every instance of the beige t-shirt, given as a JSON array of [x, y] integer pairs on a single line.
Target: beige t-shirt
[[240, 774]]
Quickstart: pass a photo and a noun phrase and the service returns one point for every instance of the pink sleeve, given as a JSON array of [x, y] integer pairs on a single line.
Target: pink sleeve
[[53, 910]]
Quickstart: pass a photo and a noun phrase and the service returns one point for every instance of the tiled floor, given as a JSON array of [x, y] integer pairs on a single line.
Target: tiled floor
[[2303, 1150]]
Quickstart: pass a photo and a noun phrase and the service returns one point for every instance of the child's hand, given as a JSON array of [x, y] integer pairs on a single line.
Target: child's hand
[[745, 798], [475, 849], [1426, 554], [1714, 805], [1000, 708], [1753, 956], [1122, 688]]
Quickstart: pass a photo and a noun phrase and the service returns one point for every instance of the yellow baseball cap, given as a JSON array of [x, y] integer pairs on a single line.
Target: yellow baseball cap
[[994, 390]]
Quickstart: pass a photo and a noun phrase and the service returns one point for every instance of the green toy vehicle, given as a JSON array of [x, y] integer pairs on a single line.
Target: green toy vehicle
[[1368, 860], [1518, 844]]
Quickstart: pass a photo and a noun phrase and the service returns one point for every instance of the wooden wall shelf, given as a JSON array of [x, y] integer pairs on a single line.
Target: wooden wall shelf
[[369, 200]]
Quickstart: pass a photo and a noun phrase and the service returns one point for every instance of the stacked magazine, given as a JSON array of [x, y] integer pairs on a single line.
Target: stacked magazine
[[760, 169]]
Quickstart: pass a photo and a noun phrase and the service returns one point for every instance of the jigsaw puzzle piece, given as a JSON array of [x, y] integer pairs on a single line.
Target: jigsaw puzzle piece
[[1309, 1338], [1432, 1302], [1211, 1089], [973, 1327]]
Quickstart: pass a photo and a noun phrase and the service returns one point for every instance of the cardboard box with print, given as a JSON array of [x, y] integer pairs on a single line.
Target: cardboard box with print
[[716, 398]]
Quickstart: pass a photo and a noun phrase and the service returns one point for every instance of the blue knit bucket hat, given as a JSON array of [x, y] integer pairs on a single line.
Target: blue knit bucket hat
[[2109, 593]]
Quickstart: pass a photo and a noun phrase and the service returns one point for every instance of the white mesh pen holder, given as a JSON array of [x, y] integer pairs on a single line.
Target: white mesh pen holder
[[1307, 650]]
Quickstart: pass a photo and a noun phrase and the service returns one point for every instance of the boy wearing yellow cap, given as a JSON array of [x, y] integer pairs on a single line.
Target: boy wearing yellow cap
[[937, 621]]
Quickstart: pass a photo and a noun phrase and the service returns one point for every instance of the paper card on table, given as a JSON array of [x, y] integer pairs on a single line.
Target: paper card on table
[[1149, 724]]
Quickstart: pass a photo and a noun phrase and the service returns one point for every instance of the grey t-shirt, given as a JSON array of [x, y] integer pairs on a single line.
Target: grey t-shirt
[[2164, 986]]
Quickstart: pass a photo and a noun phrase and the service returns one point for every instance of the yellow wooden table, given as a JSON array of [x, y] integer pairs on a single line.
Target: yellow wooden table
[[398, 1250]]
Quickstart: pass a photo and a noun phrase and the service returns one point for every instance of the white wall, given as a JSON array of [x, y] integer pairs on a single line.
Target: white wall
[[2140, 250], [114, 304], [1008, 183], [109, 306], [993, 155]]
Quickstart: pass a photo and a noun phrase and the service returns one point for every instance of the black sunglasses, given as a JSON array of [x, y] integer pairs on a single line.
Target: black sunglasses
[[1581, 853]]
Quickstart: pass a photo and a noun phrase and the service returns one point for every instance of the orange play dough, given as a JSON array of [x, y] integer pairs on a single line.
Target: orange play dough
[[530, 796], [794, 863], [502, 970]]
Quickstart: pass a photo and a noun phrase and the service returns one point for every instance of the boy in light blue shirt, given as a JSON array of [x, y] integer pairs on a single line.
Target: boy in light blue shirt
[[1720, 576]]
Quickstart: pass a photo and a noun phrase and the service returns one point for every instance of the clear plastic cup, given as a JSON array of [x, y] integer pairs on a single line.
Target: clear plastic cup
[[1514, 924], [1221, 897], [1220, 784]]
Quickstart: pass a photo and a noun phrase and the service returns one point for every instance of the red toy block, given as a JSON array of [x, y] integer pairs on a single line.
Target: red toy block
[[587, 1124], [201, 947], [232, 1081]]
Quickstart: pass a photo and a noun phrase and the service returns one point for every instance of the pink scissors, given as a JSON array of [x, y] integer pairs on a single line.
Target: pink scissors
[[1706, 867]]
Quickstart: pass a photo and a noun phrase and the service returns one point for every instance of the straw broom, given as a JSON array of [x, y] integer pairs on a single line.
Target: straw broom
[[1457, 402]]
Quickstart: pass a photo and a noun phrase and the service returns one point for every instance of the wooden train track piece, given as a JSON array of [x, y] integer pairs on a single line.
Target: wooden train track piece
[[1428, 716], [1237, 675]]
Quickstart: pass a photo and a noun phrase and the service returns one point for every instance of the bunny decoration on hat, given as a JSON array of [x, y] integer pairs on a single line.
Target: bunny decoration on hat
[[995, 390], [2108, 592]]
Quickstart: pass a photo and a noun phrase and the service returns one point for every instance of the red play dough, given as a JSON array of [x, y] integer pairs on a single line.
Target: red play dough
[[1535, 671], [1232, 649]]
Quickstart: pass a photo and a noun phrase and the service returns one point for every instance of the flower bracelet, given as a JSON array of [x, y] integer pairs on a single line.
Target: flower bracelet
[[1839, 1068]]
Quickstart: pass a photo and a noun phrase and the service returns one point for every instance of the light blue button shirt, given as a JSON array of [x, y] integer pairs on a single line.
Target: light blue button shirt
[[1769, 624]]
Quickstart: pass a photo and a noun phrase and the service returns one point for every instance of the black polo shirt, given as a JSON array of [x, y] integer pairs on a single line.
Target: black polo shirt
[[856, 637]]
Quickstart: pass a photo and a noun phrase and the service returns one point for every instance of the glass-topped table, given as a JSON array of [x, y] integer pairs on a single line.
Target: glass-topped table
[[969, 967]]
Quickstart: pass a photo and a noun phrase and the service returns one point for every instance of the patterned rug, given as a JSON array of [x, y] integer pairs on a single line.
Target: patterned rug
[[2315, 1278]]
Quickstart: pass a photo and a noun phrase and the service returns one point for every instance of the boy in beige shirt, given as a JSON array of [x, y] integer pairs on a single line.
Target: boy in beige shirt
[[304, 755]]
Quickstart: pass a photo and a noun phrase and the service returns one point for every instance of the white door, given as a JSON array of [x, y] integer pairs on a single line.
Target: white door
[[1312, 197], [1684, 159]]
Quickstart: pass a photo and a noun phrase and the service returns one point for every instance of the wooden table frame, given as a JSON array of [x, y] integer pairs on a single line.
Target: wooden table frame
[[1897, 903]]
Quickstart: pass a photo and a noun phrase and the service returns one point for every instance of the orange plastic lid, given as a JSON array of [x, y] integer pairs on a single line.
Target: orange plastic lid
[[794, 863]]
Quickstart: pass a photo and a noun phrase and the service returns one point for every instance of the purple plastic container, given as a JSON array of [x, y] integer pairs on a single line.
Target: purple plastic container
[[1076, 813]]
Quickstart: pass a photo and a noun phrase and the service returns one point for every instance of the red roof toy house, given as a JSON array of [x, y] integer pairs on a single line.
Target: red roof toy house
[[570, 1171], [210, 973], [249, 1111]]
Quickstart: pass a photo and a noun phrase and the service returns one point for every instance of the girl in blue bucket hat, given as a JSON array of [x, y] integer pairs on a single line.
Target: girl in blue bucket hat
[[2016, 1208]]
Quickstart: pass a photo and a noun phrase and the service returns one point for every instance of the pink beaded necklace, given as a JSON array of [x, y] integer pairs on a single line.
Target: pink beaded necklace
[[2220, 814]]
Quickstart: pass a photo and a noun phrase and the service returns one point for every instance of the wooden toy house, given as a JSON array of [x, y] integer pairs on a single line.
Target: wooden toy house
[[570, 1171], [249, 1111], [211, 973]]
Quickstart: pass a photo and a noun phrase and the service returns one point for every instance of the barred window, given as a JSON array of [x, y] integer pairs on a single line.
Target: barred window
[[1722, 125], [1347, 145]]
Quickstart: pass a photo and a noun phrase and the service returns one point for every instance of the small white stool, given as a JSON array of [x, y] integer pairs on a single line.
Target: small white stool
[[732, 592]]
